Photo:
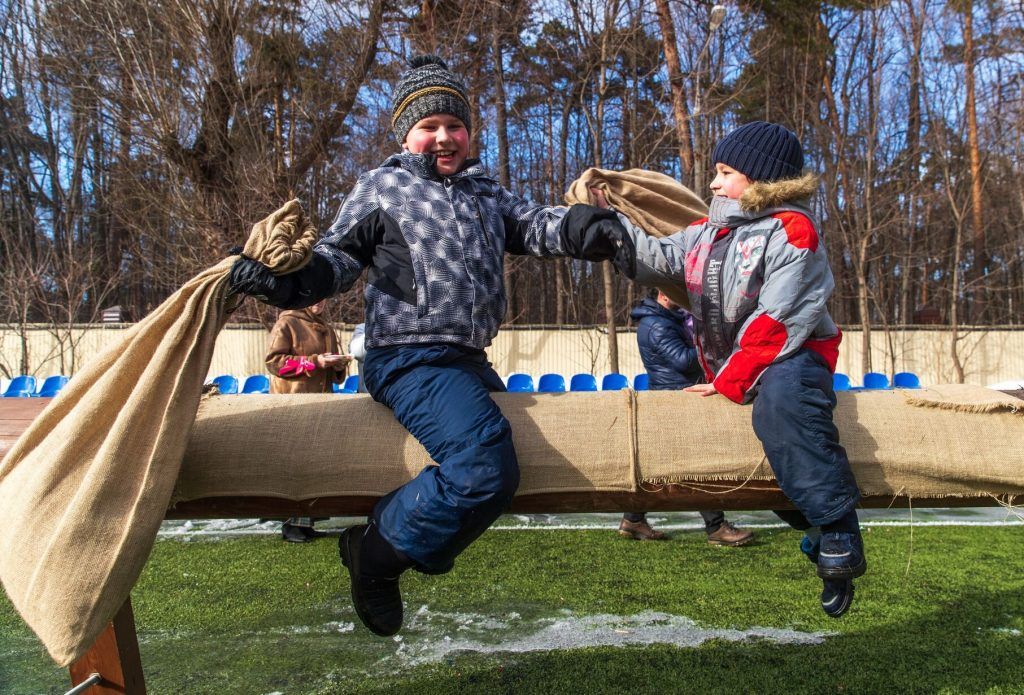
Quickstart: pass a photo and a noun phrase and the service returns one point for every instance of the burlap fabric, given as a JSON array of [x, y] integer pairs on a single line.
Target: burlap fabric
[[656, 203], [895, 447], [86, 486], [965, 398], [579, 442], [305, 446]]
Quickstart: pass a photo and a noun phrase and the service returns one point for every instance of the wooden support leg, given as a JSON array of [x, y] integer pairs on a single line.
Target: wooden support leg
[[115, 656]]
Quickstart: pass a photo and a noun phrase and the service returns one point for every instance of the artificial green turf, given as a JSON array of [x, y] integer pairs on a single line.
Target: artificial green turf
[[941, 610]]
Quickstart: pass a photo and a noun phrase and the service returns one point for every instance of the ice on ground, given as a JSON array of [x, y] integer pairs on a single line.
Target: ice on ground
[[432, 636]]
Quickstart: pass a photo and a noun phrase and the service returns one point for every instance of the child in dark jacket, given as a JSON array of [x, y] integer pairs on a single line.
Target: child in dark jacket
[[664, 335], [759, 280], [432, 229]]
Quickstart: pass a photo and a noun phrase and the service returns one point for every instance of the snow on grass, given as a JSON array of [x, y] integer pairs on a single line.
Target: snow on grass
[[431, 636]]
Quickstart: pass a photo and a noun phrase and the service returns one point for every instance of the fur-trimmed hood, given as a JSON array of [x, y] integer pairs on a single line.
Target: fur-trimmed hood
[[762, 195], [762, 199]]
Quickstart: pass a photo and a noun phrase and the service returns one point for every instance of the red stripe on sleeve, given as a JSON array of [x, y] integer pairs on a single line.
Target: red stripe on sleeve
[[827, 348], [800, 230], [760, 345]]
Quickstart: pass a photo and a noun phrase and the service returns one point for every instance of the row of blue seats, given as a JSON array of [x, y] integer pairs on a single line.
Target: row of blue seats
[[876, 380], [260, 383], [24, 386], [555, 383]]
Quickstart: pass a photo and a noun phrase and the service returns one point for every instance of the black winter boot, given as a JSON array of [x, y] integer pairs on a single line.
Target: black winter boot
[[374, 568]]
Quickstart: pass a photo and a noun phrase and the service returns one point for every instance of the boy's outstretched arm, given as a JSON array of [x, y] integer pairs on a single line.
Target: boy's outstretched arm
[[337, 260]]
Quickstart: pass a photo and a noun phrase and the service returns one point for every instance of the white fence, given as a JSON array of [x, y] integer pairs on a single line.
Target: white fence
[[989, 355]]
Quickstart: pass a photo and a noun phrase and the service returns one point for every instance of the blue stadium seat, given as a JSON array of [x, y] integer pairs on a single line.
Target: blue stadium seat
[[614, 382], [906, 380], [551, 383], [21, 387], [642, 382], [52, 386], [226, 384], [520, 383], [876, 380], [257, 383], [351, 384], [583, 382], [840, 382]]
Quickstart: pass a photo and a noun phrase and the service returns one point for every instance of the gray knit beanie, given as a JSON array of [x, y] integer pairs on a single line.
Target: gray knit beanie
[[428, 88], [762, 152]]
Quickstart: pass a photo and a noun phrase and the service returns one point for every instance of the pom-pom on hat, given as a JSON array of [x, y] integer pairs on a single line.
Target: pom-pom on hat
[[429, 87], [762, 152]]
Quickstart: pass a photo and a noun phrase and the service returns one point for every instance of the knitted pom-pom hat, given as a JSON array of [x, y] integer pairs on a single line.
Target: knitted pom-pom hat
[[429, 87], [761, 151]]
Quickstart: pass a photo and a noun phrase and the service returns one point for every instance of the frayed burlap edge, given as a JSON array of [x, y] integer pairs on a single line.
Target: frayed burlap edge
[[964, 398]]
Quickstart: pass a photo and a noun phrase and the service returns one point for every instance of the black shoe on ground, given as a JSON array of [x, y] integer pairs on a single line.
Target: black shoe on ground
[[295, 534], [377, 599], [836, 597]]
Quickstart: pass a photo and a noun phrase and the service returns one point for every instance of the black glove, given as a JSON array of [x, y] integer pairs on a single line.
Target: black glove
[[592, 234], [302, 288], [251, 277]]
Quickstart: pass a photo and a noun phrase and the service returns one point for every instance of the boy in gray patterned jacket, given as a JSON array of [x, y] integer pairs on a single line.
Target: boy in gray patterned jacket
[[433, 230], [759, 280]]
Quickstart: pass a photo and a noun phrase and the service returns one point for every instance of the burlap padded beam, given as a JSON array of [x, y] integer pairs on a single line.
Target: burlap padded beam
[[895, 447], [302, 447]]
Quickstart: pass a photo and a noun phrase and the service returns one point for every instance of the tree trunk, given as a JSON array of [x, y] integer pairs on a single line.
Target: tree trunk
[[677, 82], [501, 124], [977, 220]]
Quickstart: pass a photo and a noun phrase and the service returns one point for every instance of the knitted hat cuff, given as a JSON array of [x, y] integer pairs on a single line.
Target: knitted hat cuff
[[429, 102], [428, 88]]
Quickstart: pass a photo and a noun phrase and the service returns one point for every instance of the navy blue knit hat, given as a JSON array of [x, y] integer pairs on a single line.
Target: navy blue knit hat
[[762, 152]]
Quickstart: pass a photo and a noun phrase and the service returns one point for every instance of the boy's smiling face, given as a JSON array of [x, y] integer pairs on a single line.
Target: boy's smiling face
[[728, 182], [444, 136]]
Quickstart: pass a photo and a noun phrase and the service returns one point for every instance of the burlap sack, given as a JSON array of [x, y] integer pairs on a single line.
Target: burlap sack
[[86, 486], [656, 203]]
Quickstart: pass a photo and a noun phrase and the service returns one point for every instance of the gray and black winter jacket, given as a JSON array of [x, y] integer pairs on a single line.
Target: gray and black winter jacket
[[435, 247]]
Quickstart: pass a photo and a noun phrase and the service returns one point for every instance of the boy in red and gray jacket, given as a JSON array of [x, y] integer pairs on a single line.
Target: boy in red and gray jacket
[[759, 280]]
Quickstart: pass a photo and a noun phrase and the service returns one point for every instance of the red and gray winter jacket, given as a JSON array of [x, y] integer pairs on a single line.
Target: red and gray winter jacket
[[758, 279]]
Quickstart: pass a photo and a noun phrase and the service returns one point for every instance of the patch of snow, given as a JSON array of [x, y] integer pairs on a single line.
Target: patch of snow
[[483, 634]]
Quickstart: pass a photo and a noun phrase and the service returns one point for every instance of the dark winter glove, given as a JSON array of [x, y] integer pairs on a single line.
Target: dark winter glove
[[251, 277], [592, 234], [305, 287], [625, 251]]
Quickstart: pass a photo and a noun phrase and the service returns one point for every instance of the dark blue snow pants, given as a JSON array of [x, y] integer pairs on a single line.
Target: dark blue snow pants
[[440, 393], [793, 419]]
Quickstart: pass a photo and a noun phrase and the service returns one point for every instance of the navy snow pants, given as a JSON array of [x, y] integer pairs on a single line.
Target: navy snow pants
[[440, 393], [793, 419]]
